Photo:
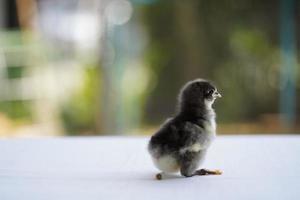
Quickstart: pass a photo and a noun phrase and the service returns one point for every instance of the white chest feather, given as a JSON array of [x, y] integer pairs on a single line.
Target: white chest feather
[[210, 127], [193, 148]]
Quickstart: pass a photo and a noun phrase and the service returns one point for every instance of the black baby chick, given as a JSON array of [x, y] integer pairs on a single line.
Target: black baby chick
[[182, 141]]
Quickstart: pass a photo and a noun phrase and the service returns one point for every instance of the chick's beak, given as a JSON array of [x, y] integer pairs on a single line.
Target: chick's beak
[[217, 95]]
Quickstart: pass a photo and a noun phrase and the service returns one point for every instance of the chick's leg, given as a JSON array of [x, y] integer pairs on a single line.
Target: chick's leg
[[187, 171], [188, 164]]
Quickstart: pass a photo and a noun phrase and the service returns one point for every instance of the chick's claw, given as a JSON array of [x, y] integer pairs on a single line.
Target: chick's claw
[[158, 176], [203, 172]]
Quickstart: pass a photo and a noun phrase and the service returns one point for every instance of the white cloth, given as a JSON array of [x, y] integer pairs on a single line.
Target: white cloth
[[109, 168]]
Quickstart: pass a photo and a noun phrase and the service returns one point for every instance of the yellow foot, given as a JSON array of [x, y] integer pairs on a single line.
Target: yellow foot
[[203, 172], [218, 172]]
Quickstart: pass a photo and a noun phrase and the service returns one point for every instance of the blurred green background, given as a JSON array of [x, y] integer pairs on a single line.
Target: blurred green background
[[114, 67]]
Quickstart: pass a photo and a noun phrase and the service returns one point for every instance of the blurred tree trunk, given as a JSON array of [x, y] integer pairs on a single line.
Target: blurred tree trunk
[[191, 39]]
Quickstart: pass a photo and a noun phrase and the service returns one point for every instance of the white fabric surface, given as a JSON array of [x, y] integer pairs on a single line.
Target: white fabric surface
[[100, 168]]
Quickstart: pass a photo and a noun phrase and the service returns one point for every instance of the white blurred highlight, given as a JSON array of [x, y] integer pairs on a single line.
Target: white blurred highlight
[[118, 12]]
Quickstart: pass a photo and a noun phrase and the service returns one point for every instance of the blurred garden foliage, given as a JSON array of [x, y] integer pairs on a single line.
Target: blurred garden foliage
[[80, 112], [233, 43], [139, 58]]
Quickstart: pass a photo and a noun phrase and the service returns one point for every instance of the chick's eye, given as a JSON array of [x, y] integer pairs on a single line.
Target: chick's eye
[[210, 91]]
